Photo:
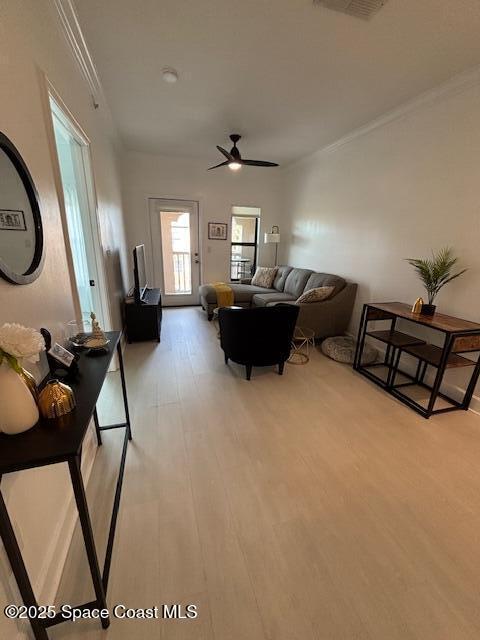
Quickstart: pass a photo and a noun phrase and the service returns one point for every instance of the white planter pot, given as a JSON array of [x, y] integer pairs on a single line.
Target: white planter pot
[[18, 411]]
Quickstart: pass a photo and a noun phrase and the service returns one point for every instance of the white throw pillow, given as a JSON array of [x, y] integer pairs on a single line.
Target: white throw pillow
[[264, 277], [316, 295]]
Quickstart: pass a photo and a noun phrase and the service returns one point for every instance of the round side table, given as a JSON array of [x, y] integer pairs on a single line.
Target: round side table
[[303, 339]]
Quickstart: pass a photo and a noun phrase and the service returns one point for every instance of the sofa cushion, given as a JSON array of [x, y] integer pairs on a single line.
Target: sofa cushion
[[296, 281], [264, 277], [315, 295], [264, 299], [282, 273], [317, 280], [241, 292]]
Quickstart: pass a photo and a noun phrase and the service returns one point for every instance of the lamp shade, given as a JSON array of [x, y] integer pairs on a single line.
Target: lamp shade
[[270, 238], [273, 237]]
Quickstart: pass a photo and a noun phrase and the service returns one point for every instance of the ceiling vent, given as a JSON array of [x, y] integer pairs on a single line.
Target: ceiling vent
[[359, 8]]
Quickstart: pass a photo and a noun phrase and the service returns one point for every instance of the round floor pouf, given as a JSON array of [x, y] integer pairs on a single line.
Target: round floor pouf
[[342, 349]]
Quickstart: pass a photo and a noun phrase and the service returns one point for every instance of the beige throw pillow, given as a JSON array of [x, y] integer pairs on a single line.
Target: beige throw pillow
[[316, 295], [264, 277]]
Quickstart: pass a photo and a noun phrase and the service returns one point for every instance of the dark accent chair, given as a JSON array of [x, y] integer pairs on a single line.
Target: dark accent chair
[[259, 336]]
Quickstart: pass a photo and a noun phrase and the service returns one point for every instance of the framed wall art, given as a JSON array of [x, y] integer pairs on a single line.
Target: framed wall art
[[217, 231], [12, 220]]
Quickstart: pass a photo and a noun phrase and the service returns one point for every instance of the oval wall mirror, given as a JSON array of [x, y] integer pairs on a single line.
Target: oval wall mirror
[[21, 233]]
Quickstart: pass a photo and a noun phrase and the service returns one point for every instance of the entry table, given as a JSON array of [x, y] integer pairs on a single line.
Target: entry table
[[459, 337], [58, 441]]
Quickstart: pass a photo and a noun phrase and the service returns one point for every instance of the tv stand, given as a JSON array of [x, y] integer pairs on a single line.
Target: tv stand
[[144, 320]]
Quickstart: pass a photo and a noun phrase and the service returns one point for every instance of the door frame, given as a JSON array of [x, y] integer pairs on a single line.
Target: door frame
[[174, 203], [255, 244], [73, 126]]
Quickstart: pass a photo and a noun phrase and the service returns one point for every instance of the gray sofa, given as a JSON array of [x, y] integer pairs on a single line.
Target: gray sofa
[[327, 318]]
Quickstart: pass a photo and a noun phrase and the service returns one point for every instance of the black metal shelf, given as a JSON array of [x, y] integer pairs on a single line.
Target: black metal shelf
[[432, 354], [395, 338], [460, 336]]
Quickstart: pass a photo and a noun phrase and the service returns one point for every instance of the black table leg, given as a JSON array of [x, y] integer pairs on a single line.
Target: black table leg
[[124, 390], [423, 372], [357, 361], [113, 520], [440, 373], [19, 570], [82, 506], [394, 369], [471, 386], [97, 427]]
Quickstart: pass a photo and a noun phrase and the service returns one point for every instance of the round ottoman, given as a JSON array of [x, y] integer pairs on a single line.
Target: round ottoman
[[342, 349]]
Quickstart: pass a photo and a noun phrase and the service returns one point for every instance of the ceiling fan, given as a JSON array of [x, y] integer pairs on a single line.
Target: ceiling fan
[[235, 161]]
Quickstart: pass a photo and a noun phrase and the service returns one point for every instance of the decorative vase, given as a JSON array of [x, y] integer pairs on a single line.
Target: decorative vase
[[428, 309], [417, 307], [56, 399], [18, 410], [29, 380]]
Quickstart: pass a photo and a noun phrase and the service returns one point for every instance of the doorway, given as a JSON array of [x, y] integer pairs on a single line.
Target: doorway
[[175, 250], [244, 242], [73, 154]]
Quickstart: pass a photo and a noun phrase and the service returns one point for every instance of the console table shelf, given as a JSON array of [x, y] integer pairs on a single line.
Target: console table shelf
[[60, 441], [394, 338], [433, 355], [459, 336]]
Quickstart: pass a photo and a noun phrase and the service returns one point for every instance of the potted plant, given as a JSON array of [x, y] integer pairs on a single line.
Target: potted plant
[[435, 273]]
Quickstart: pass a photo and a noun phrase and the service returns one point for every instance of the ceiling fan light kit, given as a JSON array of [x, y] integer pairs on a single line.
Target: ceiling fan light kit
[[234, 159]]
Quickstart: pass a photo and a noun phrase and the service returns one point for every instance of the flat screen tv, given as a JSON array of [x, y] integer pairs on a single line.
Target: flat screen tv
[[139, 273]]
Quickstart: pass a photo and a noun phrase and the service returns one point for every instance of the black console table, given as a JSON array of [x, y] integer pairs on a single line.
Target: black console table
[[459, 337], [143, 321], [56, 441]]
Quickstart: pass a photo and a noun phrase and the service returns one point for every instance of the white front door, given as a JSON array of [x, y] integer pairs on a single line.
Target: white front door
[[175, 252]]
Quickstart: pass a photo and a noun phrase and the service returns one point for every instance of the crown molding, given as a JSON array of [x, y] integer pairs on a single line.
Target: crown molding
[[73, 34], [457, 84]]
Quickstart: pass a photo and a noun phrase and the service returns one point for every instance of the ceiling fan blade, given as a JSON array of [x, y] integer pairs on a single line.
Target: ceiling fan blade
[[259, 163], [227, 155], [222, 164]]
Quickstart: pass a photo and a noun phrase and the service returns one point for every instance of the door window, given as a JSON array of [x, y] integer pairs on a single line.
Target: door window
[[176, 254]]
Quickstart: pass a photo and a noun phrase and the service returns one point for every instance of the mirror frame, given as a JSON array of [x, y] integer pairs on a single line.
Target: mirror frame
[[36, 265]]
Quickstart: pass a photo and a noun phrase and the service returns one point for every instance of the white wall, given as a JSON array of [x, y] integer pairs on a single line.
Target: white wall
[[147, 176], [397, 191], [31, 43]]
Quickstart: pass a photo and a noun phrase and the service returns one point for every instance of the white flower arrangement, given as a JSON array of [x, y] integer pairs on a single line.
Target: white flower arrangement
[[18, 343]]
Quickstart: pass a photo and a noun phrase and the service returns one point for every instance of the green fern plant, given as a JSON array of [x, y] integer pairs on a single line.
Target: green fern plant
[[436, 272]]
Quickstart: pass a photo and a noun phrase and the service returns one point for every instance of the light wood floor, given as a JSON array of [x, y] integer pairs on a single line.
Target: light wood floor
[[308, 506]]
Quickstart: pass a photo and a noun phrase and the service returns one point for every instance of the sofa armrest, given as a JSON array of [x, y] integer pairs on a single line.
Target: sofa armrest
[[245, 281], [330, 317]]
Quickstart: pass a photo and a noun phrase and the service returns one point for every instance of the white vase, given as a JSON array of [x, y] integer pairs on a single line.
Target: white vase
[[18, 411]]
